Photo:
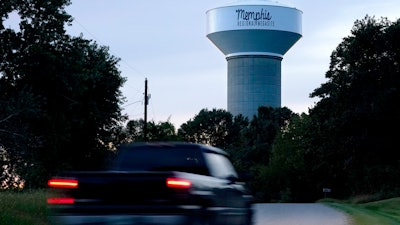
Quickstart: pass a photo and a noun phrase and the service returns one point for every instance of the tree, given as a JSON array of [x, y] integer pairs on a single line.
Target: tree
[[358, 103], [74, 84], [16, 137], [253, 154], [263, 129], [291, 174], [162, 131], [208, 127]]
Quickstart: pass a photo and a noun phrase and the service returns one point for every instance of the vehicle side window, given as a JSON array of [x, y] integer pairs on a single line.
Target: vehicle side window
[[220, 166]]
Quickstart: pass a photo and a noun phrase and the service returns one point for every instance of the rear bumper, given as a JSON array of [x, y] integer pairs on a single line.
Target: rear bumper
[[145, 216], [119, 219]]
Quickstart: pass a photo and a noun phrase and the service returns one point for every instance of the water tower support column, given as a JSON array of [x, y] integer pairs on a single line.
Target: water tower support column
[[253, 81]]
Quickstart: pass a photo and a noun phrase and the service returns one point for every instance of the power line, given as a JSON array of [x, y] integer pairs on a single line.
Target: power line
[[114, 53], [146, 96], [132, 103], [102, 43]]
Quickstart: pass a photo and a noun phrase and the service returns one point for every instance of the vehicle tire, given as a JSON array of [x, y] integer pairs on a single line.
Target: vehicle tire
[[203, 218], [249, 218]]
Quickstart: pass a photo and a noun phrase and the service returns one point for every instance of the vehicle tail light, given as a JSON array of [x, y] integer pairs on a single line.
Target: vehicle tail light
[[178, 183], [62, 183], [55, 201]]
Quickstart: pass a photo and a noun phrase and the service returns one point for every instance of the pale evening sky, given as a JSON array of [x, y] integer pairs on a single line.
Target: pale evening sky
[[165, 42]]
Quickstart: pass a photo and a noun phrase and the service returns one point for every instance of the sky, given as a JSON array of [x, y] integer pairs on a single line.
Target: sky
[[165, 42]]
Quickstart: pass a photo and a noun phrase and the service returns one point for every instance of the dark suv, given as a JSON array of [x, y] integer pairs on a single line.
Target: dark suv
[[156, 183]]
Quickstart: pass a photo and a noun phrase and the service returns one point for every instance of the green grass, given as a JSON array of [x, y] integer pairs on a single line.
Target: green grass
[[23, 208], [384, 212]]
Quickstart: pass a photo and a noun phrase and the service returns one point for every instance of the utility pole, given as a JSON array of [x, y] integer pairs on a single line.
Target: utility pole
[[146, 102]]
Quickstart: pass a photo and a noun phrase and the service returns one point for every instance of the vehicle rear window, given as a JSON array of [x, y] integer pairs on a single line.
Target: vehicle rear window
[[161, 159]]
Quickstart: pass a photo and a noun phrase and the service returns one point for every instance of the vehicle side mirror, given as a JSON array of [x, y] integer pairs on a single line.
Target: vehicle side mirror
[[232, 179]]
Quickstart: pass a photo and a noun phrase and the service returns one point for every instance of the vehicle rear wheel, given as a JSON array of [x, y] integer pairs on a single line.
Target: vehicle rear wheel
[[249, 218], [203, 218]]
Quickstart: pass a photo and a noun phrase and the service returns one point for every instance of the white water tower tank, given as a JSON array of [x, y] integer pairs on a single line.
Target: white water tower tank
[[254, 35]]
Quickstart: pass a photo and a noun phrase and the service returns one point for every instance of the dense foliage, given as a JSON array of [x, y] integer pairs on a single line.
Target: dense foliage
[[348, 141], [359, 104], [133, 132], [59, 95]]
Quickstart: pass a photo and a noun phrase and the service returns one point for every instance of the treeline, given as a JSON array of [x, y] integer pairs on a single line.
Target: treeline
[[60, 109]]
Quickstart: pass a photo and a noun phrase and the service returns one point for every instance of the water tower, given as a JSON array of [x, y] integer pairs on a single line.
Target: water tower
[[254, 35]]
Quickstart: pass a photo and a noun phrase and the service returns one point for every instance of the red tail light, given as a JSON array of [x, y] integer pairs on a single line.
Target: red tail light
[[63, 183], [60, 201], [178, 183]]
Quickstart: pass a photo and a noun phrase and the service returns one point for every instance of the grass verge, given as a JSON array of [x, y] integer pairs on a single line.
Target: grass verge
[[23, 208], [384, 212]]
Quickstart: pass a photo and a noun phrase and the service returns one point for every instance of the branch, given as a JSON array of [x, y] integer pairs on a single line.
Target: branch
[[13, 133], [8, 117]]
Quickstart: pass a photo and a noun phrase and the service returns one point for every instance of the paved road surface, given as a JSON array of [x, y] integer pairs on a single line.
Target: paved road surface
[[298, 214]]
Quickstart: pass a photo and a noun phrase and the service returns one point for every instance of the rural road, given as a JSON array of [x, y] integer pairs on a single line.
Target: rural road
[[298, 214]]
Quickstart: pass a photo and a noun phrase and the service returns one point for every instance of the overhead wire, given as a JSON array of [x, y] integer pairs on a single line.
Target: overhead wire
[[126, 63]]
